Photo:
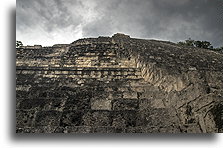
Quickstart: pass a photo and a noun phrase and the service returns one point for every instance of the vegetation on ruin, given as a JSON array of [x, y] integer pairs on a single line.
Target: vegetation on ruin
[[19, 44], [199, 44]]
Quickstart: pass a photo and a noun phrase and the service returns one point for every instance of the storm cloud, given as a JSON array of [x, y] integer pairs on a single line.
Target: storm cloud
[[48, 22]]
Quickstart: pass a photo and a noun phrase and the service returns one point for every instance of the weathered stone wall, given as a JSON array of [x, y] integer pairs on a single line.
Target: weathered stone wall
[[192, 79], [118, 84]]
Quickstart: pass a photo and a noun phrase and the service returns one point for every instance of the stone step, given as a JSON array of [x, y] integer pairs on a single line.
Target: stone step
[[76, 68], [55, 55], [49, 79], [98, 129], [87, 72], [71, 120], [83, 74], [84, 61], [73, 65], [46, 78], [120, 89]]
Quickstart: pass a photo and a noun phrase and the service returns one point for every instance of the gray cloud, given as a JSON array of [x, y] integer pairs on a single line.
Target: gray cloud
[[62, 21], [50, 14]]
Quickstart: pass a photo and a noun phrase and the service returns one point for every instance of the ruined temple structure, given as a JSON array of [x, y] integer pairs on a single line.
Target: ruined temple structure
[[118, 84]]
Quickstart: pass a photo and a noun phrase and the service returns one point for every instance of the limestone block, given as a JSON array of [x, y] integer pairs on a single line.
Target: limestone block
[[130, 95], [25, 130], [101, 104], [79, 72], [71, 118], [193, 128], [157, 103], [48, 118], [209, 122], [103, 129], [105, 73], [73, 129], [123, 119], [115, 95], [144, 104], [96, 118], [57, 72], [138, 89], [65, 72], [34, 103], [79, 101], [154, 117], [125, 104], [43, 129], [23, 87], [25, 118], [123, 89]]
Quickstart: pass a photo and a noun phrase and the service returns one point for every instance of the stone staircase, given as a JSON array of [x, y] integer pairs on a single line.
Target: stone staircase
[[86, 88]]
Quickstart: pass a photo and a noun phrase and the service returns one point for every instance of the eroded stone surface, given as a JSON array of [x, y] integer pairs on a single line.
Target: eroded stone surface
[[118, 85]]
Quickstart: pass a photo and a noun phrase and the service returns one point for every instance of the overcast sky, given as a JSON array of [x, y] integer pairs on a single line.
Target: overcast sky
[[49, 22]]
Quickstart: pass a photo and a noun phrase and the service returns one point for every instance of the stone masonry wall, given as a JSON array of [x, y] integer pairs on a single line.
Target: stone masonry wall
[[115, 85]]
